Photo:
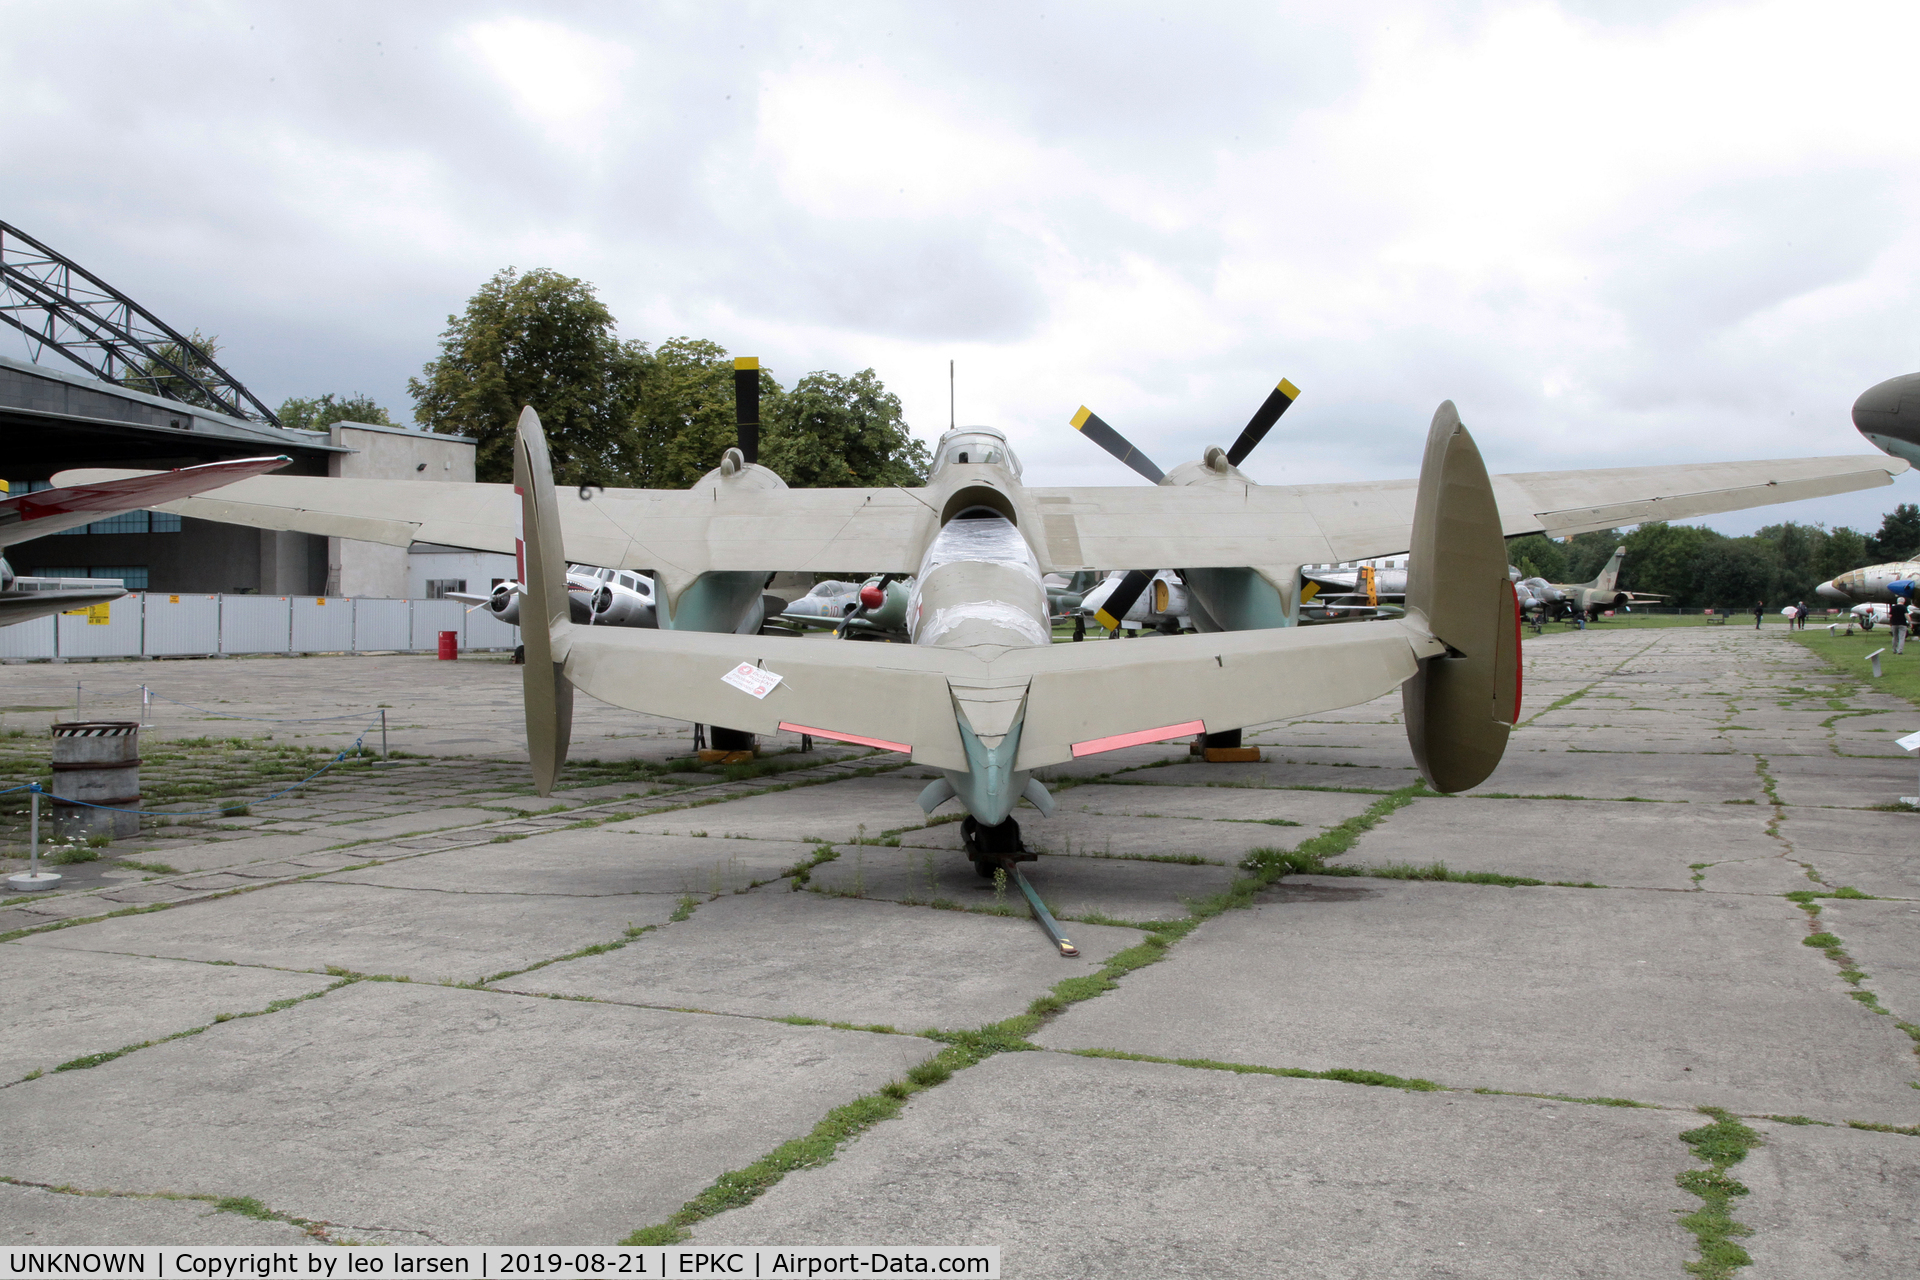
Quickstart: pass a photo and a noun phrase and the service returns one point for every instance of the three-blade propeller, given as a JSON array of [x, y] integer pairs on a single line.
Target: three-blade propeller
[[1089, 424]]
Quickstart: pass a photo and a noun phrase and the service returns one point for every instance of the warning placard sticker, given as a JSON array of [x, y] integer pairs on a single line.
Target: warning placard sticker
[[757, 681]]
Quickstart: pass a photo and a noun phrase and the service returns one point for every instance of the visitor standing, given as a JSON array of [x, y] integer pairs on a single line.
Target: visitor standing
[[1759, 610], [1897, 623]]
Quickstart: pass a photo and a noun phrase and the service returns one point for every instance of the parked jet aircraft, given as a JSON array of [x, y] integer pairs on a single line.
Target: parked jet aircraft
[[26, 516], [1162, 606], [1888, 415], [1554, 599], [1876, 582]]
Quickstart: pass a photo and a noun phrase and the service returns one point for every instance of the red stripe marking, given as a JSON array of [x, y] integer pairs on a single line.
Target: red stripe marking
[[1119, 740], [854, 738]]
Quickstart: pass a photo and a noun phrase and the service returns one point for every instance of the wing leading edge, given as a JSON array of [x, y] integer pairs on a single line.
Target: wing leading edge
[[686, 532]]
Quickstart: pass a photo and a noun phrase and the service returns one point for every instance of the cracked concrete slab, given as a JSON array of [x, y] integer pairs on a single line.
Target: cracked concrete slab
[[1884, 939], [1308, 808], [58, 1003], [1877, 853], [425, 935], [1672, 998], [1370, 1182], [1848, 783], [591, 862], [1121, 888], [1830, 1204], [1277, 770], [412, 823], [1647, 846], [776, 954], [471, 1116], [1103, 835], [33, 1217], [1607, 776], [832, 811], [219, 854]]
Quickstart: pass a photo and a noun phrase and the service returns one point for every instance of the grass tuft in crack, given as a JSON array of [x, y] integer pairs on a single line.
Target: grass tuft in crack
[[1722, 1144]]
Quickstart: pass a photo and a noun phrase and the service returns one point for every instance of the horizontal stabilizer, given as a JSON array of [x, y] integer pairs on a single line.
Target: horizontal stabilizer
[[1077, 694]]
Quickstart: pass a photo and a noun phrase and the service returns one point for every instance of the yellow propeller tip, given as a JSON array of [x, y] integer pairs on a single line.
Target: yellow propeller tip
[[747, 362], [1288, 390], [1106, 620], [1080, 418]]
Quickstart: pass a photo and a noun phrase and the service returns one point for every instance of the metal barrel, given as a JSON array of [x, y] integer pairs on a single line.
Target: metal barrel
[[98, 762]]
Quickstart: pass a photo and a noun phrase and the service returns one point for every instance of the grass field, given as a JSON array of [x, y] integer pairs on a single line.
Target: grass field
[[1848, 654]]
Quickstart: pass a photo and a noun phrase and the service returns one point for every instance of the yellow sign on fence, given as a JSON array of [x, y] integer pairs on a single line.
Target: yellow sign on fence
[[97, 615]]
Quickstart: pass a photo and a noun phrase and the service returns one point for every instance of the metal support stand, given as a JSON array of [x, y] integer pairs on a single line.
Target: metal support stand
[[385, 761], [35, 879], [1040, 913], [1874, 658]]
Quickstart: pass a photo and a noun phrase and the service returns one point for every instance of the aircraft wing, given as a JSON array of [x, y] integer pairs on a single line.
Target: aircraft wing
[[25, 606], [682, 533], [1077, 695], [1207, 525], [45, 511]]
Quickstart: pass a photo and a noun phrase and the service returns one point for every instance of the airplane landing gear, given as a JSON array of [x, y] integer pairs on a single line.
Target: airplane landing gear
[[992, 848]]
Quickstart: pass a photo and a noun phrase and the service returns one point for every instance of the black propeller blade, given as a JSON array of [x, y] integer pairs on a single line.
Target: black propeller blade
[[1088, 424], [746, 405], [1262, 421], [1109, 614]]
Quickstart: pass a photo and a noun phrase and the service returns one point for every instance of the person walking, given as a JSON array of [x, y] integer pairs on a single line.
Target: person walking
[[1897, 623], [1759, 611]]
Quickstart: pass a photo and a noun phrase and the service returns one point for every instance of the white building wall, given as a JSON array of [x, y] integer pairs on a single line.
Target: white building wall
[[370, 569]]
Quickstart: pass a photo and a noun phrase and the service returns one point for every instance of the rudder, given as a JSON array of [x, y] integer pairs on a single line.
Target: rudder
[[1462, 704], [547, 692]]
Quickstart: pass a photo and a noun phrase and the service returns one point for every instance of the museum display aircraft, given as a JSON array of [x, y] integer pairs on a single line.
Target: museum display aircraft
[[26, 516], [1888, 415], [979, 693], [1876, 583], [1556, 599]]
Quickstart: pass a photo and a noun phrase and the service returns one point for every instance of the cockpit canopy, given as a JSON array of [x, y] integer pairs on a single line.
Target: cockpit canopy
[[976, 446]]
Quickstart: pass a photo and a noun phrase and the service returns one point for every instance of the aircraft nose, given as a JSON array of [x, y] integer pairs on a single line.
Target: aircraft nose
[[1879, 410], [1828, 591]]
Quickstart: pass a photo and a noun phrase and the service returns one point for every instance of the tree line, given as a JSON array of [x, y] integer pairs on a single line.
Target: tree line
[[1696, 568]]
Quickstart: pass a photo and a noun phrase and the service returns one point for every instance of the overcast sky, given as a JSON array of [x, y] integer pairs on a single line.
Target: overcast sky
[[1613, 233]]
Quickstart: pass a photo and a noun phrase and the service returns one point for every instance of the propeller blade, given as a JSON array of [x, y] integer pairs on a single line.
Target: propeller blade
[[1115, 608], [1262, 421], [1088, 424], [746, 405]]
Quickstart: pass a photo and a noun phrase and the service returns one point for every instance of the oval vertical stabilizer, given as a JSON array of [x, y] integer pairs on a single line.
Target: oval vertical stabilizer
[[547, 692], [1462, 705]]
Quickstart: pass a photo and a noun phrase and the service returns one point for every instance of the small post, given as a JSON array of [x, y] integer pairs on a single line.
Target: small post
[[76, 701], [1874, 658], [34, 880], [383, 735]]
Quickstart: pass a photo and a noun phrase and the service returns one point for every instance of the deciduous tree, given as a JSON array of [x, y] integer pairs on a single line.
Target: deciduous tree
[[542, 339]]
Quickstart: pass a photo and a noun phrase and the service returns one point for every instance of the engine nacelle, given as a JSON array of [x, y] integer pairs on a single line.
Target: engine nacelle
[[615, 607]]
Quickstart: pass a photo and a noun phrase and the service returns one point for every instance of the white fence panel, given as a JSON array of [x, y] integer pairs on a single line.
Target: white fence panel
[[484, 631], [117, 637], [182, 624], [322, 624], [27, 639], [380, 625], [255, 624], [431, 617]]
